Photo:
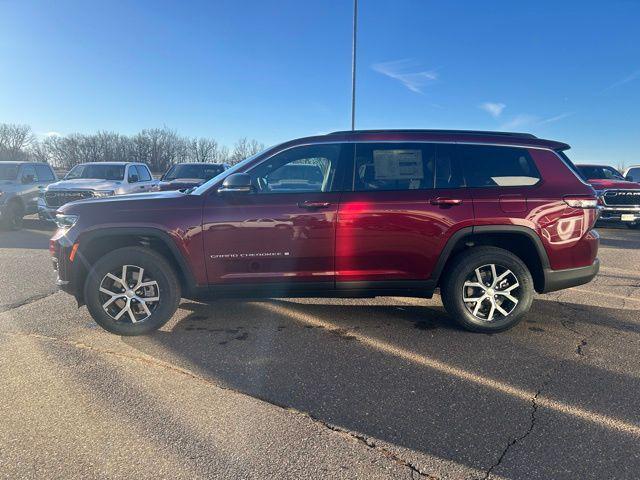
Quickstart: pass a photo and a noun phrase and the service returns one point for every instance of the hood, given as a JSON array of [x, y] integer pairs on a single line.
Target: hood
[[85, 184], [605, 184], [121, 200]]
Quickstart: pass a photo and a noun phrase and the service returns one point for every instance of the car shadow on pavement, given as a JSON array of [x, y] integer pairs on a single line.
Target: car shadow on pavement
[[402, 374], [35, 234]]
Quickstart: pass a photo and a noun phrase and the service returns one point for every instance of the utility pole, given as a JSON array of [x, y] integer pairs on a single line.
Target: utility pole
[[353, 64]]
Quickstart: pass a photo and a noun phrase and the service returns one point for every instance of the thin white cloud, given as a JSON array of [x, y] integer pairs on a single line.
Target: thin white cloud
[[408, 73], [53, 134], [526, 120], [556, 118], [493, 108], [629, 78], [519, 121]]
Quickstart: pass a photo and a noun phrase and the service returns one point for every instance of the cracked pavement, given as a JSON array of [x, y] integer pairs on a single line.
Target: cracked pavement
[[320, 388]]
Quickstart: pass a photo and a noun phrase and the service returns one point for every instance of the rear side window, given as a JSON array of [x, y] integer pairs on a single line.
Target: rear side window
[[634, 174], [389, 166], [45, 174], [143, 171], [491, 166]]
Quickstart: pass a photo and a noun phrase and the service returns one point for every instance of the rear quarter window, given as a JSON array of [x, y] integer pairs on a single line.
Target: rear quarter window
[[494, 166]]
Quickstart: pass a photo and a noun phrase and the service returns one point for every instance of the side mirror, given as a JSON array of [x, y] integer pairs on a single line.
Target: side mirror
[[238, 182], [134, 179]]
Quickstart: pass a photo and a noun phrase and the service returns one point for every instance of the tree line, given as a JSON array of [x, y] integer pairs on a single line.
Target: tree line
[[157, 147]]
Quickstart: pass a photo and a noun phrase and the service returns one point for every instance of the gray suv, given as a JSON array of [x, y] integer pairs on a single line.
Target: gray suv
[[21, 183]]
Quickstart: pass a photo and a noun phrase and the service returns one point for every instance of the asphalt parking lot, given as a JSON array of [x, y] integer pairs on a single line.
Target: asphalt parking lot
[[384, 388]]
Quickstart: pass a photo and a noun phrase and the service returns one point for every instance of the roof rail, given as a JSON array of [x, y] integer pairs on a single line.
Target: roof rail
[[444, 132]]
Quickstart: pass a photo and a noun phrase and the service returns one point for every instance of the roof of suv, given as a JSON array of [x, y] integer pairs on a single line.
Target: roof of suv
[[461, 136]]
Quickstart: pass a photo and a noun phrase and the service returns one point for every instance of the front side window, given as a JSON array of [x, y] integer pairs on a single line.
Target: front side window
[[634, 174], [96, 171], [595, 172], [143, 173], [133, 174], [391, 166], [492, 166], [303, 169], [45, 174]]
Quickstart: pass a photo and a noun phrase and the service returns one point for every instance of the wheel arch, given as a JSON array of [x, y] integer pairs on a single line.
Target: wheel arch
[[521, 241], [92, 245]]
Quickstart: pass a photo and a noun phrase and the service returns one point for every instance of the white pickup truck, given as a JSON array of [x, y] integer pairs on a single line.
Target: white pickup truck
[[94, 180]]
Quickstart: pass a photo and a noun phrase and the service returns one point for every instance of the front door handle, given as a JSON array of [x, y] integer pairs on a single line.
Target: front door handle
[[446, 202], [313, 205]]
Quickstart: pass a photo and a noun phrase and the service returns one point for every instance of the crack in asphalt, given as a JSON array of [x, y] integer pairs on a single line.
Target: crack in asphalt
[[532, 424], [148, 360], [34, 298]]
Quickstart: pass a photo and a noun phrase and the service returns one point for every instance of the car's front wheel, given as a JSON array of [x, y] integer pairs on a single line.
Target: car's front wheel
[[132, 291], [487, 289]]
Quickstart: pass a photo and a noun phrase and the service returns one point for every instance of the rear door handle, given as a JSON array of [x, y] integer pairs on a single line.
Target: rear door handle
[[446, 202], [313, 205]]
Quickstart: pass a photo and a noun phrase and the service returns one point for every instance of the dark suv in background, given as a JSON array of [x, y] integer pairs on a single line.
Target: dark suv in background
[[489, 218]]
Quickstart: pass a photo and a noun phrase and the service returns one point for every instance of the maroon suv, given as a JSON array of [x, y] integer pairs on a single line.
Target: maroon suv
[[488, 218]]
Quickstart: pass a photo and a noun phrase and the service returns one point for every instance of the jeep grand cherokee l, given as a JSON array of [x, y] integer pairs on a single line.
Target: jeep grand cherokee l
[[619, 198], [488, 218]]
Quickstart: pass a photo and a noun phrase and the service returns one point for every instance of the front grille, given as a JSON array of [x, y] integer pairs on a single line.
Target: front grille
[[621, 198], [57, 199]]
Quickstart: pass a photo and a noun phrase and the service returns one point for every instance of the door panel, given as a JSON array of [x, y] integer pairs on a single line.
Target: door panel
[[269, 238], [396, 235]]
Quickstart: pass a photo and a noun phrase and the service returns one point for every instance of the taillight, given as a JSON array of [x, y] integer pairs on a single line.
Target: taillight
[[577, 201], [52, 248]]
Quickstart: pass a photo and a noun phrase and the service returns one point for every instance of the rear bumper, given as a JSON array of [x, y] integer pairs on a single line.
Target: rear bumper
[[572, 277]]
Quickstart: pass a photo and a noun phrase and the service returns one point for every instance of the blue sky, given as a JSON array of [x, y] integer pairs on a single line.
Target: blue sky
[[280, 69]]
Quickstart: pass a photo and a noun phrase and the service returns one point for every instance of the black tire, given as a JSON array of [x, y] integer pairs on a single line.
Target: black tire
[[463, 268], [156, 268], [13, 216]]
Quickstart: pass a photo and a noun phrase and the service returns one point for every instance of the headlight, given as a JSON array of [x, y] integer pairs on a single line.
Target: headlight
[[66, 221], [103, 193]]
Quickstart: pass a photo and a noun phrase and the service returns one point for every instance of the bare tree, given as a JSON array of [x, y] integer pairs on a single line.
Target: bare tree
[[14, 141], [202, 150], [244, 148]]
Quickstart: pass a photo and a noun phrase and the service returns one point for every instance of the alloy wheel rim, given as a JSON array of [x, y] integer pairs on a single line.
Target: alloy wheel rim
[[491, 292], [129, 294]]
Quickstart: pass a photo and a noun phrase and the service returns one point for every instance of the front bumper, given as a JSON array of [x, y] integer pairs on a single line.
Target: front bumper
[[45, 212], [572, 277], [619, 214]]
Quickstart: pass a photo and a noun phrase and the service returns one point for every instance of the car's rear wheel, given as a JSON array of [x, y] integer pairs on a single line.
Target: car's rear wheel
[[132, 291], [13, 216], [487, 289]]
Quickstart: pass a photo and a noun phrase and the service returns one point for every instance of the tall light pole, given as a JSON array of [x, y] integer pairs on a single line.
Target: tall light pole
[[353, 64]]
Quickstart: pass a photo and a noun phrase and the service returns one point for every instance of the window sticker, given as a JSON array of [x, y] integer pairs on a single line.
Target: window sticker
[[398, 164]]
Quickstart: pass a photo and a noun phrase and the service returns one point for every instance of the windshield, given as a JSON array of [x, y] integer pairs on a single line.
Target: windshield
[[237, 167], [202, 171], [96, 171], [592, 172], [8, 172]]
